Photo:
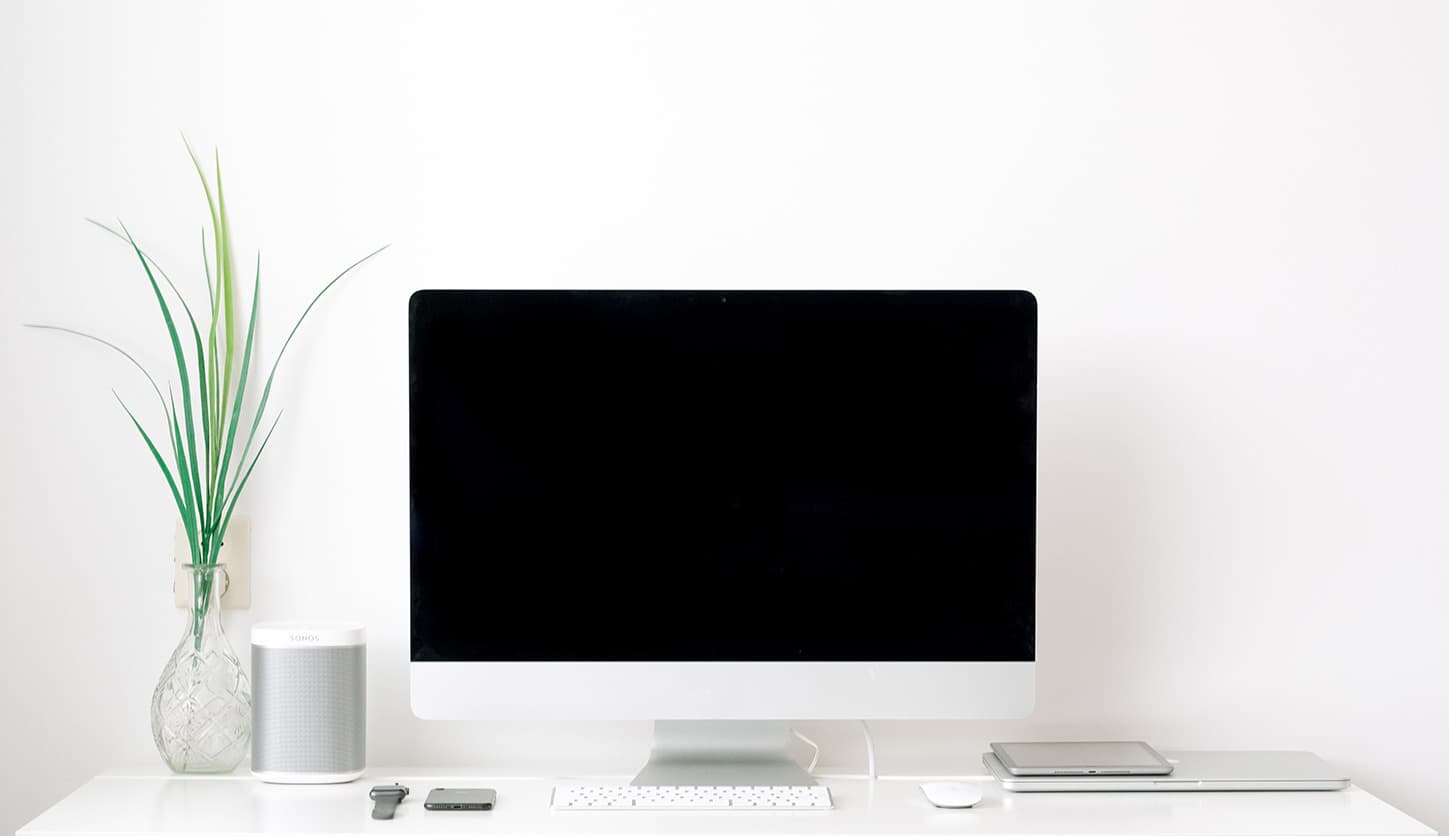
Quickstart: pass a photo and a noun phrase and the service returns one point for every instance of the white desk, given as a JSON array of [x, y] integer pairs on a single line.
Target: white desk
[[136, 803]]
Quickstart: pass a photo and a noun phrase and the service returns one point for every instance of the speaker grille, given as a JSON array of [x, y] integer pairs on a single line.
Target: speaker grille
[[309, 709]]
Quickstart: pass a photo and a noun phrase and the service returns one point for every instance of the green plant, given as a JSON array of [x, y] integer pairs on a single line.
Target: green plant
[[204, 476]]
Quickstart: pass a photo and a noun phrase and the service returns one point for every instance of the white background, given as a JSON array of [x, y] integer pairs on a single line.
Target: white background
[[1234, 216]]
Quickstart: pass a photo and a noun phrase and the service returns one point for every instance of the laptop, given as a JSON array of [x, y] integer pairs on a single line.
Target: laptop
[[1192, 771]]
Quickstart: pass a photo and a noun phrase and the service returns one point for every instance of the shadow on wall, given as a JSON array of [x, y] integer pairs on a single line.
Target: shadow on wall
[[1097, 557]]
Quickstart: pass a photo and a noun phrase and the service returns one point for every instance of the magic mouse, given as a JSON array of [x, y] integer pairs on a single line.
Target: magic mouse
[[952, 795]]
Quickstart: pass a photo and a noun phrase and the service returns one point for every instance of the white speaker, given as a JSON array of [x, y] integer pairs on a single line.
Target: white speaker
[[309, 702]]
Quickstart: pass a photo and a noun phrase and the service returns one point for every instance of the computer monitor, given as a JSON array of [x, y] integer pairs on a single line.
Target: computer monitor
[[730, 505]]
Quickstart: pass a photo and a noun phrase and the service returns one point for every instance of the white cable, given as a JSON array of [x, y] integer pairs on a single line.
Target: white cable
[[869, 750], [871, 773], [815, 760]]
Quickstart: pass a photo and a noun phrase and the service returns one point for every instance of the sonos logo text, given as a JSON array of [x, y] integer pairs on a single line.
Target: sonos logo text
[[304, 637]]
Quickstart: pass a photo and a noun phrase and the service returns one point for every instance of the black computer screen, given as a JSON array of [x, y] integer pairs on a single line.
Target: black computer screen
[[723, 476]]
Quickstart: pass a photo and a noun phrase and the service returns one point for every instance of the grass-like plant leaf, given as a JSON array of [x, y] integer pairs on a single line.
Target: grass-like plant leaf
[[214, 291], [108, 344], [203, 497], [204, 475], [188, 510], [156, 454], [241, 386], [228, 288], [206, 267], [181, 370], [267, 389], [231, 504]]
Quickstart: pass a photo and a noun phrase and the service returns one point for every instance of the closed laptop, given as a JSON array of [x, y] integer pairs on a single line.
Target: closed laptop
[[1193, 771]]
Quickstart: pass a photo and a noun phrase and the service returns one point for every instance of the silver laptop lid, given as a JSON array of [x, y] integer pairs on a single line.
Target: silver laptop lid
[[1194, 770]]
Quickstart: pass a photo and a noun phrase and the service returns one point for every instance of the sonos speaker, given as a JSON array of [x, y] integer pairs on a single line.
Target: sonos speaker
[[309, 702]]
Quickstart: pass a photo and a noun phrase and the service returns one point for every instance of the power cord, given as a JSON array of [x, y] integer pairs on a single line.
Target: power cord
[[869, 751], [815, 759]]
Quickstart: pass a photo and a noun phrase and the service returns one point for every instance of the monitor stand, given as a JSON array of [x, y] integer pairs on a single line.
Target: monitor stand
[[722, 753]]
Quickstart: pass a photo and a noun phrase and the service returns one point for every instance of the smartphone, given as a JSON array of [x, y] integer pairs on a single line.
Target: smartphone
[[1104, 757], [443, 798]]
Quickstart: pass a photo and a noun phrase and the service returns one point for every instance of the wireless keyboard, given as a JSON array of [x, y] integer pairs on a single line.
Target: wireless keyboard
[[616, 797]]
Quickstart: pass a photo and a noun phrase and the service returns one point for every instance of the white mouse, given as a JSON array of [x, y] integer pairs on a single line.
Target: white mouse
[[951, 795]]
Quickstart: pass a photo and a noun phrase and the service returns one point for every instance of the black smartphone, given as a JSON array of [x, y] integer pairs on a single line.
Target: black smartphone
[[443, 798]]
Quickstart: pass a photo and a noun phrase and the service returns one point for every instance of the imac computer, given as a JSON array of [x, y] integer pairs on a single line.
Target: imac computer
[[722, 511]]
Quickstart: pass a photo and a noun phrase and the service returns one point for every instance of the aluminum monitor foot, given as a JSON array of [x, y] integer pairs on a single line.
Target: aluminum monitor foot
[[722, 753]]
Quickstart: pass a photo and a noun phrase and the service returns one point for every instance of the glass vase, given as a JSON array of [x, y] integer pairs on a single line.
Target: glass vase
[[201, 710]]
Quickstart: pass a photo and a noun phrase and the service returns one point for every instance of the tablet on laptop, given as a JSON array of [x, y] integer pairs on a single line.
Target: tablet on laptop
[[1101, 757], [1192, 771]]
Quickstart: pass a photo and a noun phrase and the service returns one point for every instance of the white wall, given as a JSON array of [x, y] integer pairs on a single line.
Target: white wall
[[1234, 216]]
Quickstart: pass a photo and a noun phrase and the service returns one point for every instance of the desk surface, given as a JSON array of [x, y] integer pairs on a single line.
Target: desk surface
[[237, 805]]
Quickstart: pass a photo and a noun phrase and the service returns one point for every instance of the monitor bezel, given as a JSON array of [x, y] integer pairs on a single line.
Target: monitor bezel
[[686, 690]]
